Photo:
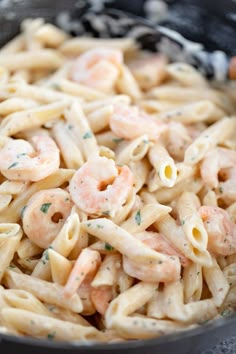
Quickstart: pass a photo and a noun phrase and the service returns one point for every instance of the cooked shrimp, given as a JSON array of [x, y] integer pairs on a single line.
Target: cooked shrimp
[[86, 263], [20, 161], [159, 243], [228, 187], [98, 68], [149, 71], [216, 160], [45, 214], [221, 230], [100, 187], [101, 298], [131, 122], [84, 292], [154, 272]]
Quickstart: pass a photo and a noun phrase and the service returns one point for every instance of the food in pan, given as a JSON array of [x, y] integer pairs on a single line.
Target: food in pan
[[118, 190]]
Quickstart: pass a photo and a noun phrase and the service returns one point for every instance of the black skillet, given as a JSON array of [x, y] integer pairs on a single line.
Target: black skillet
[[210, 22]]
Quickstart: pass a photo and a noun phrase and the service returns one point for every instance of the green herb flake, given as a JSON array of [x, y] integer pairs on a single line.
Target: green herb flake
[[198, 273], [99, 226], [87, 135], [182, 222], [89, 224], [46, 255], [44, 207], [108, 247], [51, 308], [225, 313], [19, 155], [22, 211], [146, 141], [107, 213], [11, 266], [14, 164], [56, 86], [117, 140], [28, 260], [138, 218], [221, 190], [51, 336], [70, 127]]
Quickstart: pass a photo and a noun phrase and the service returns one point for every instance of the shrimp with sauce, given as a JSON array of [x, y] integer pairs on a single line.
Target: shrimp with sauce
[[98, 68], [149, 70], [228, 187], [131, 122], [159, 243], [221, 230], [148, 272], [214, 162], [101, 298], [87, 262], [45, 214], [167, 271], [100, 187], [19, 160]]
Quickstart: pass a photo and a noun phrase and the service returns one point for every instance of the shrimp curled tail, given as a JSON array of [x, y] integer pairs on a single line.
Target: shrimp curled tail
[[100, 187], [45, 214], [98, 68], [215, 161], [165, 272], [130, 123], [20, 161], [221, 230]]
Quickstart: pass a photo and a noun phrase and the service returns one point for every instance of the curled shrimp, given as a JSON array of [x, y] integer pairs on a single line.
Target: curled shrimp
[[98, 68], [87, 262], [228, 187], [101, 298], [159, 243], [216, 160], [221, 230], [131, 122], [19, 160], [149, 71], [45, 214], [100, 187], [167, 271]]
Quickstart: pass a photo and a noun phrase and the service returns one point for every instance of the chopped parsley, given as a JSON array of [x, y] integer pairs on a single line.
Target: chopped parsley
[[182, 222], [70, 127], [138, 218], [108, 247], [87, 135], [19, 155], [117, 140], [11, 266], [107, 213], [44, 207], [221, 190], [14, 164], [225, 313], [22, 211], [51, 336], [99, 226], [56, 86]]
